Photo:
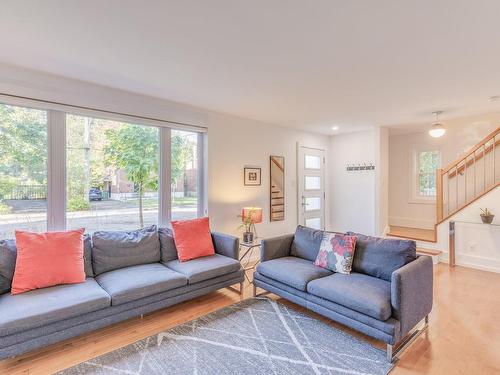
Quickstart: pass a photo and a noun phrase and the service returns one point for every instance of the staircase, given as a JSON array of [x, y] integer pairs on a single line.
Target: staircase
[[458, 185], [468, 178]]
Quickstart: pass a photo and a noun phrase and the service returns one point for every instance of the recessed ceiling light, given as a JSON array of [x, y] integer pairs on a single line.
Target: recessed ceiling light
[[494, 98], [335, 128]]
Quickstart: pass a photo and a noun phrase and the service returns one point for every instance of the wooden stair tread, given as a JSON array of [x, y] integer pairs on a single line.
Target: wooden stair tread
[[431, 252], [419, 234]]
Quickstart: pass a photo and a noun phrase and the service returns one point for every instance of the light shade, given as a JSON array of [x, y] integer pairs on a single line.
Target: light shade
[[254, 213], [437, 130]]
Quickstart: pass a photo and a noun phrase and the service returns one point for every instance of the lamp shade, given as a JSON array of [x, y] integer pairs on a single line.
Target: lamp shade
[[254, 213]]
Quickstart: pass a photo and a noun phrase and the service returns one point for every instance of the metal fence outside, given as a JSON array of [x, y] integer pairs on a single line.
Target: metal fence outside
[[27, 192]]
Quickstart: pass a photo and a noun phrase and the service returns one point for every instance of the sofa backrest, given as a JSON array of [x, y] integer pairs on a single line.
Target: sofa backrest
[[167, 244], [306, 243], [380, 257], [87, 255], [112, 250]]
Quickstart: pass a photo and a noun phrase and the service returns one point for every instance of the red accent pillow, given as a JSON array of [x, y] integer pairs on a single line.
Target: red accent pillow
[[48, 259], [193, 238]]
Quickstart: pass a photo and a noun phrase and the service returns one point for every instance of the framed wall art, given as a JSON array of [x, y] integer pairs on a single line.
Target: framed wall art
[[252, 176]]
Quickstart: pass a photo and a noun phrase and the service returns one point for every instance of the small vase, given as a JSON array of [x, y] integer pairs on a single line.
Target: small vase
[[247, 237], [487, 219]]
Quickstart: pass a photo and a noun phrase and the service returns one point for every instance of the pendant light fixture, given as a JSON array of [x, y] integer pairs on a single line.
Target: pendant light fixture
[[437, 130]]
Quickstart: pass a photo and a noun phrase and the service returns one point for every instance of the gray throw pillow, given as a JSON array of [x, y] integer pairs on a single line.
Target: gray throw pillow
[[167, 244], [112, 250], [306, 243], [8, 255], [380, 257], [87, 255]]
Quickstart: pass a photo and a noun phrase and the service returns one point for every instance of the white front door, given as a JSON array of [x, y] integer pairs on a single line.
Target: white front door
[[311, 187]]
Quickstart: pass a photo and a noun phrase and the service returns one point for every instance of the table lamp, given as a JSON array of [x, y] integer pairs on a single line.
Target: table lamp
[[250, 216]]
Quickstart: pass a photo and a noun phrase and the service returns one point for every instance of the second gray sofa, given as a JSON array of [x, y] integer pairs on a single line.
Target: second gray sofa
[[388, 293], [128, 274]]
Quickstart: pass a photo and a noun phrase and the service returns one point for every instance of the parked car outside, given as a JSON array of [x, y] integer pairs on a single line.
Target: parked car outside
[[95, 194]]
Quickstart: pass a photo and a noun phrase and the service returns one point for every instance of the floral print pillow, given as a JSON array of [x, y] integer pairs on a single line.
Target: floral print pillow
[[336, 252]]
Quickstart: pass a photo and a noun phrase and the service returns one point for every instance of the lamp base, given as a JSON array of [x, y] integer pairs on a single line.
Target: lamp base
[[247, 237]]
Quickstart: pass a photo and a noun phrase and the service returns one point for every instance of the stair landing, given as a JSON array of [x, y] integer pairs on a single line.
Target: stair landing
[[428, 235]]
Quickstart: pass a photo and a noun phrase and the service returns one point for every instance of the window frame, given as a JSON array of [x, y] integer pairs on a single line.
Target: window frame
[[414, 168], [56, 156]]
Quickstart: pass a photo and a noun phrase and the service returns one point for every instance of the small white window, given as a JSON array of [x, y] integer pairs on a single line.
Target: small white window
[[424, 164]]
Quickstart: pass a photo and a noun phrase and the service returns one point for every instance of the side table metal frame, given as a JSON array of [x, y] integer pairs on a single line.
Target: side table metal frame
[[248, 253]]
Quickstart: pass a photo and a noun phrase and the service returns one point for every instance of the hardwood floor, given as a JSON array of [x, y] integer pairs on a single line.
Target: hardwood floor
[[463, 335], [428, 235]]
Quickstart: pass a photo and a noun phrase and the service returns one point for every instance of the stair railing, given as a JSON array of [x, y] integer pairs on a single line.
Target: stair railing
[[468, 178]]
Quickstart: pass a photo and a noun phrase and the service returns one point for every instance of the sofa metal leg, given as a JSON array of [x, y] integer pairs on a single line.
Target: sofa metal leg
[[254, 290], [388, 352], [239, 290], [393, 351]]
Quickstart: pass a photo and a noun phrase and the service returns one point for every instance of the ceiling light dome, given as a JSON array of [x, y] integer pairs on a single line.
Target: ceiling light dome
[[437, 130]]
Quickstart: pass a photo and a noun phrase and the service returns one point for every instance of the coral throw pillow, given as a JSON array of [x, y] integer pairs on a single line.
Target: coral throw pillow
[[192, 238], [336, 252], [48, 259]]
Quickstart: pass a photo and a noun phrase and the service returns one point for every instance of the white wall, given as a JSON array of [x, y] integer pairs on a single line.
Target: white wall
[[232, 145], [353, 194], [232, 142], [381, 180], [461, 135], [476, 245]]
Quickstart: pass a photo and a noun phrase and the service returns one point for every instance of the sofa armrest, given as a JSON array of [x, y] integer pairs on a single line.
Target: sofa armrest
[[411, 292], [226, 244], [276, 247]]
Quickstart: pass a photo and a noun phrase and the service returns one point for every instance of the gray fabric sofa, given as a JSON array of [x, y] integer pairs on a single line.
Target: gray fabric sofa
[[386, 296], [128, 274]]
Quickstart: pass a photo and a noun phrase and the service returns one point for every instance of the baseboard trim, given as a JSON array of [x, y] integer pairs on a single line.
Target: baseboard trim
[[473, 261]]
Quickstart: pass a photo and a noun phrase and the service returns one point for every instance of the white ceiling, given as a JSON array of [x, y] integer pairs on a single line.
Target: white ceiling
[[304, 64]]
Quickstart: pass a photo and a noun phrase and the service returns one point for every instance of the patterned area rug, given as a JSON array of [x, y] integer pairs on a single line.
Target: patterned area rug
[[255, 336]]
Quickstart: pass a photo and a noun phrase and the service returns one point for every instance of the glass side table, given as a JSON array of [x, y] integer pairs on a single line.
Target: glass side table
[[248, 249]]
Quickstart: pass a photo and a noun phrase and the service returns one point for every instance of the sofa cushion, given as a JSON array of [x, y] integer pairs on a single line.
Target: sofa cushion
[[8, 255], [112, 250], [40, 307], [306, 243], [292, 271], [362, 293], [87, 255], [167, 244], [205, 268], [380, 257], [136, 282]]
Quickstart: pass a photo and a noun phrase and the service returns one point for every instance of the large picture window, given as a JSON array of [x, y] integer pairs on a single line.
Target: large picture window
[[23, 170], [184, 175], [111, 174], [115, 173]]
